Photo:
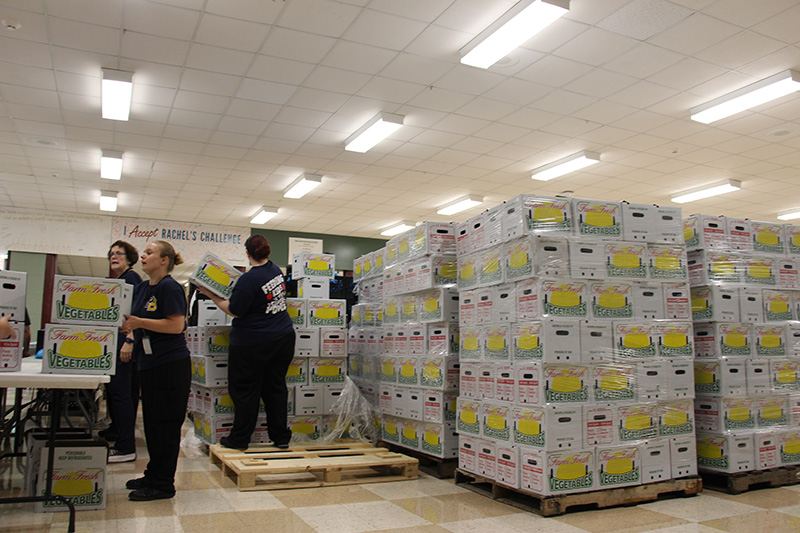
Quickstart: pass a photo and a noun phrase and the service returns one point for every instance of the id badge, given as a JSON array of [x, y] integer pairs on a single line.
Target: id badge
[[148, 350]]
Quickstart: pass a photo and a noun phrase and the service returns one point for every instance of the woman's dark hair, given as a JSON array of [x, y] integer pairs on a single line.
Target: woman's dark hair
[[131, 254], [258, 247]]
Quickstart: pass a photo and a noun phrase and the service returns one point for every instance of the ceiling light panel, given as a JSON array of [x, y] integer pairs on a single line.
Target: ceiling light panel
[[302, 186], [707, 191], [565, 165], [116, 91], [374, 131]]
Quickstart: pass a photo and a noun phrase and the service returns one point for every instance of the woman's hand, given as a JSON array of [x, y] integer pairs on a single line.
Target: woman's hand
[[131, 323], [205, 292], [126, 352], [6, 331]]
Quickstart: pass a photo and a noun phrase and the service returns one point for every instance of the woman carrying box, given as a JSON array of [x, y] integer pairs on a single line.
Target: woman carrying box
[[261, 347], [158, 321]]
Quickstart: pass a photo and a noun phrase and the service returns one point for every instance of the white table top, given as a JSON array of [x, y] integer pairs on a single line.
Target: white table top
[[31, 377]]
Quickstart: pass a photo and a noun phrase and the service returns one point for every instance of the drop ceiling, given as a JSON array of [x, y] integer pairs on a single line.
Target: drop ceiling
[[233, 99]]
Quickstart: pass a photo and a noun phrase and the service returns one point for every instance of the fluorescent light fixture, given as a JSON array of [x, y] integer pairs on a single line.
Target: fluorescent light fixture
[[116, 93], [462, 204], [302, 185], [563, 166], [264, 214], [517, 25], [758, 93], [398, 228], [707, 191], [108, 201], [111, 165], [377, 129], [789, 215]]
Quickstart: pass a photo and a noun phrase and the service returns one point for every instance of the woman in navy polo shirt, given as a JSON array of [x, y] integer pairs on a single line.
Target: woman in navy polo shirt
[[158, 321], [261, 349]]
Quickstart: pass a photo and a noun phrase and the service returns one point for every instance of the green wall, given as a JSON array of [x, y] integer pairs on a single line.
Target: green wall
[[346, 249], [34, 265]]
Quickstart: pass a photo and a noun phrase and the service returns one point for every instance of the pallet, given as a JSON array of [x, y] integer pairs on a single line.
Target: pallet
[[263, 467], [738, 482], [559, 504], [435, 466]]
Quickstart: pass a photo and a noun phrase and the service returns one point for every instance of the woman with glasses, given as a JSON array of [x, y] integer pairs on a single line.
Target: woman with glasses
[[158, 321], [123, 390], [261, 349]]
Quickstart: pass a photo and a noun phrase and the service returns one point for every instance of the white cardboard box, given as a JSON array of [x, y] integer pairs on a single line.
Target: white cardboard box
[[683, 456], [216, 275], [12, 294], [618, 466], [90, 301], [314, 266], [79, 474], [732, 452], [656, 464], [715, 303], [548, 427], [72, 349], [547, 473], [508, 465], [11, 349]]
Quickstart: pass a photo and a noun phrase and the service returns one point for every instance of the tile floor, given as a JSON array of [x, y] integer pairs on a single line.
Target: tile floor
[[207, 501]]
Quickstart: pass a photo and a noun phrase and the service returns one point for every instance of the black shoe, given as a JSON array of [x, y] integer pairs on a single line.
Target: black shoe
[[282, 446], [138, 483], [226, 442], [146, 494]]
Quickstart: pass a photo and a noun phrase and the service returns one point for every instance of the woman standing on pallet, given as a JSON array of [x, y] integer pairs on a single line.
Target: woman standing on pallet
[[261, 349], [157, 322]]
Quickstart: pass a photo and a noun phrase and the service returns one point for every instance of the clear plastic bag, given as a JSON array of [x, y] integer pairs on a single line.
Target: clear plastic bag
[[354, 417], [192, 446]]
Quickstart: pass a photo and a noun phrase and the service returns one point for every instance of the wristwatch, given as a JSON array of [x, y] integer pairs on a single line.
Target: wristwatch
[[128, 340]]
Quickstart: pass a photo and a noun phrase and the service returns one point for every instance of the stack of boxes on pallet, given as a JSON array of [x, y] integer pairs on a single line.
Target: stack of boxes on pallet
[[745, 296], [575, 345], [12, 305], [404, 338], [317, 373], [209, 402]]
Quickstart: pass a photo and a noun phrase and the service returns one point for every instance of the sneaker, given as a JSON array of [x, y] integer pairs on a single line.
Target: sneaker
[[282, 446], [226, 442], [138, 483], [116, 456], [146, 494]]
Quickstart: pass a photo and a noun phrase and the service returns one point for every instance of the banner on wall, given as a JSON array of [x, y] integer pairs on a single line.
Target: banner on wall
[[48, 232], [190, 240]]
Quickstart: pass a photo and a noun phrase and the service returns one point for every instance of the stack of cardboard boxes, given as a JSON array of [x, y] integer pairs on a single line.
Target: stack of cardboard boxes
[[575, 345], [745, 296], [12, 305], [404, 338], [317, 373]]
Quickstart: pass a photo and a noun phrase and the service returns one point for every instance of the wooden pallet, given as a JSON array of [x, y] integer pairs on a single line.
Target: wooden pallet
[[583, 501], [738, 482], [435, 466], [263, 467]]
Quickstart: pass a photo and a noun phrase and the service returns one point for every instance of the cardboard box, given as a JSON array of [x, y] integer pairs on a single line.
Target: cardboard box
[[484, 305], [437, 271], [725, 413], [773, 411], [680, 379], [546, 214], [635, 340], [793, 339], [469, 380], [551, 255], [770, 340], [759, 271], [676, 417], [683, 456], [788, 272], [211, 429], [490, 271], [496, 421], [327, 371], [656, 465], [309, 427], [432, 238], [563, 299], [777, 305], [79, 475], [438, 372], [407, 370], [675, 339], [463, 242], [89, 301], [468, 416], [566, 383], [470, 347], [785, 375], [715, 303], [724, 376], [439, 406], [438, 305], [595, 218], [70, 349], [651, 379], [313, 289], [496, 339], [707, 267], [468, 453], [669, 225], [508, 465], [208, 314], [677, 301], [739, 233], [637, 422], [597, 343], [306, 342], [487, 458], [611, 300], [468, 270], [768, 238], [210, 370], [327, 313], [439, 440], [614, 383], [309, 400], [518, 259], [789, 442], [792, 233], [476, 232], [732, 452], [513, 217], [333, 342], [486, 380], [618, 466], [548, 427], [704, 232], [505, 382], [766, 447], [12, 294], [648, 300], [667, 262], [298, 311], [314, 266], [216, 340], [547, 473], [297, 374], [639, 222], [587, 259], [719, 339], [215, 275], [410, 434], [11, 349], [529, 383], [625, 261], [599, 424]]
